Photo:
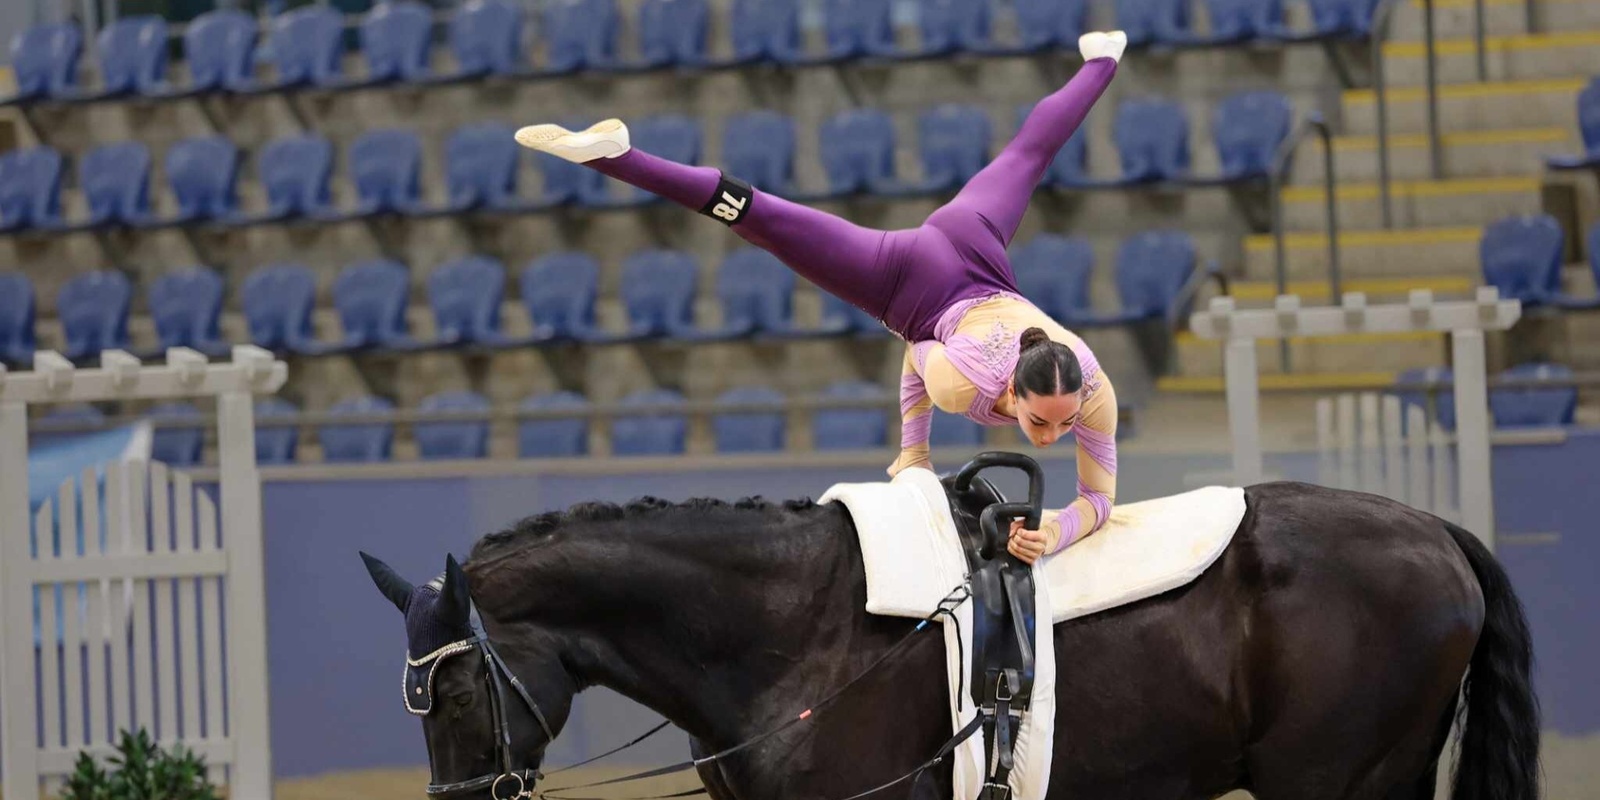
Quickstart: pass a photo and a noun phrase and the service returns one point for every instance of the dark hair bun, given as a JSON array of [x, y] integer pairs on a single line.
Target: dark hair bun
[[1032, 337]]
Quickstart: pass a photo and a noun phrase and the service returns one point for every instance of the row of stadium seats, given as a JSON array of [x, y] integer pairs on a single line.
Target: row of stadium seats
[[306, 46], [559, 291], [481, 165], [754, 422]]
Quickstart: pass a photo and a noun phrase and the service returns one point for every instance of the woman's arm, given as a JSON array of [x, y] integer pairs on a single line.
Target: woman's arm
[[1096, 433], [916, 409]]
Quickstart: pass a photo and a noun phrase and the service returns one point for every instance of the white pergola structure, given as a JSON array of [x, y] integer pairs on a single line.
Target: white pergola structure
[[1465, 321], [158, 569]]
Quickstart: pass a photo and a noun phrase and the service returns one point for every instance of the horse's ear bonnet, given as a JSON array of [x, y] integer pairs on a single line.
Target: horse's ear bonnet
[[438, 625]]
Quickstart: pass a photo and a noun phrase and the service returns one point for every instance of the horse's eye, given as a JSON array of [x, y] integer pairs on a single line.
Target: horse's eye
[[463, 699]]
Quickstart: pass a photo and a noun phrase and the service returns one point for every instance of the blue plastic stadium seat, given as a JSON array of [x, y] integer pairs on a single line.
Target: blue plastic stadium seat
[[1444, 410], [481, 164], [1154, 22], [756, 292], [294, 171], [563, 437], [275, 444], [277, 302], [954, 430], [658, 291], [840, 318], [16, 319], [749, 431], [1152, 269], [559, 291], [132, 53], [30, 189], [307, 46], [453, 439], [766, 31], [1235, 21], [673, 33], [177, 446], [1070, 168], [1342, 18], [1152, 136], [655, 431], [1048, 24], [859, 29], [851, 428], [948, 27], [953, 140], [1588, 127], [1521, 256], [1053, 272], [220, 51], [396, 41], [94, 313], [371, 300], [758, 147], [580, 35], [1534, 407], [44, 62], [185, 307], [465, 295], [67, 421], [115, 181], [1248, 128], [486, 39], [203, 173], [357, 442], [673, 137], [860, 155], [386, 168]]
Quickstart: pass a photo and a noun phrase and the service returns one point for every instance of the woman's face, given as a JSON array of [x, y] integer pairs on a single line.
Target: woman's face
[[1044, 418]]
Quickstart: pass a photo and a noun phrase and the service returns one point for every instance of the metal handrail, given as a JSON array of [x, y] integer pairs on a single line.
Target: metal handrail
[[1313, 122], [1381, 18]]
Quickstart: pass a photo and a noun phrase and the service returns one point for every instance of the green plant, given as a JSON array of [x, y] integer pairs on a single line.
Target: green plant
[[141, 771]]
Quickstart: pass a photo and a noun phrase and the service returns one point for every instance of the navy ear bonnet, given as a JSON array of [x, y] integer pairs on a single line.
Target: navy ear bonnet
[[432, 636]]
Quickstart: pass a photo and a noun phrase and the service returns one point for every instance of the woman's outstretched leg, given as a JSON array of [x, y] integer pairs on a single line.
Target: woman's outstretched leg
[[838, 256], [999, 194]]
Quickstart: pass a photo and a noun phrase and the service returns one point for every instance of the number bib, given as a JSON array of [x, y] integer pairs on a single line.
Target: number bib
[[731, 202]]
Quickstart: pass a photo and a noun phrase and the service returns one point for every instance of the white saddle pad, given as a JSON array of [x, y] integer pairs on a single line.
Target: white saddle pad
[[913, 558]]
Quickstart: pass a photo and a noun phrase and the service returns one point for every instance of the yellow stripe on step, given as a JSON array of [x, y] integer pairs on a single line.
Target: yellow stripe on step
[[1495, 138], [1310, 381], [1410, 236], [1188, 338], [1412, 94], [1318, 290], [1461, 47], [1452, 187]]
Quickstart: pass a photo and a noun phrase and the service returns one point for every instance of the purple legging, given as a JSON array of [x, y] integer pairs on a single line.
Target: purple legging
[[905, 278]]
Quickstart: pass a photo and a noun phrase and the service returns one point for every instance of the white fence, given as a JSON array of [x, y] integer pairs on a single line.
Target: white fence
[[1370, 443], [136, 573]]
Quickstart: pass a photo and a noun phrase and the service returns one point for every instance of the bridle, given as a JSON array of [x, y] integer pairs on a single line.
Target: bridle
[[496, 675]]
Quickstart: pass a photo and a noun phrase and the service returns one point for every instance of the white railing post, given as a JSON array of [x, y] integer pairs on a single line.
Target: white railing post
[[18, 705], [1475, 490]]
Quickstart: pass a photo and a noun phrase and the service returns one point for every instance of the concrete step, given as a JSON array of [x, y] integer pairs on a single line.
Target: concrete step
[[1457, 19], [1281, 382], [1426, 252], [1414, 204], [1563, 54], [1260, 294], [1470, 107], [1347, 354], [1466, 154]]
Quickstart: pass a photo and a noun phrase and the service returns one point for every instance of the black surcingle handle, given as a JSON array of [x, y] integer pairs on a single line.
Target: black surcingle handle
[[989, 521]]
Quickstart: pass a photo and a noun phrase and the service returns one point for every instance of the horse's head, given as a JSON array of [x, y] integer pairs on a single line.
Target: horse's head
[[486, 733]]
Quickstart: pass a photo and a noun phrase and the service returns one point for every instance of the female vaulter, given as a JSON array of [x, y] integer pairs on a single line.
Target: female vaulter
[[975, 346]]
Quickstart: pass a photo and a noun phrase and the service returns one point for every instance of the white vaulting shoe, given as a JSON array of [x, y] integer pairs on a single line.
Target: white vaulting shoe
[[1103, 45], [604, 139]]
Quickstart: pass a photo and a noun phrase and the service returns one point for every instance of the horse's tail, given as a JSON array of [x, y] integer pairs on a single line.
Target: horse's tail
[[1499, 748]]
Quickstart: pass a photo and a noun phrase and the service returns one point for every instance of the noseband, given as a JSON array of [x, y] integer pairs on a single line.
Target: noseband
[[496, 675]]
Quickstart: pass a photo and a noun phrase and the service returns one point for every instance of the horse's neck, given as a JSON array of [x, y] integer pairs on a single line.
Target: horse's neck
[[709, 629]]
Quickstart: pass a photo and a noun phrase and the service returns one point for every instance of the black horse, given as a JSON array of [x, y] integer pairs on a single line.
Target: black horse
[[1320, 657]]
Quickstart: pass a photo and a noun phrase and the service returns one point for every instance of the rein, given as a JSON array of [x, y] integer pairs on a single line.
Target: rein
[[524, 780]]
